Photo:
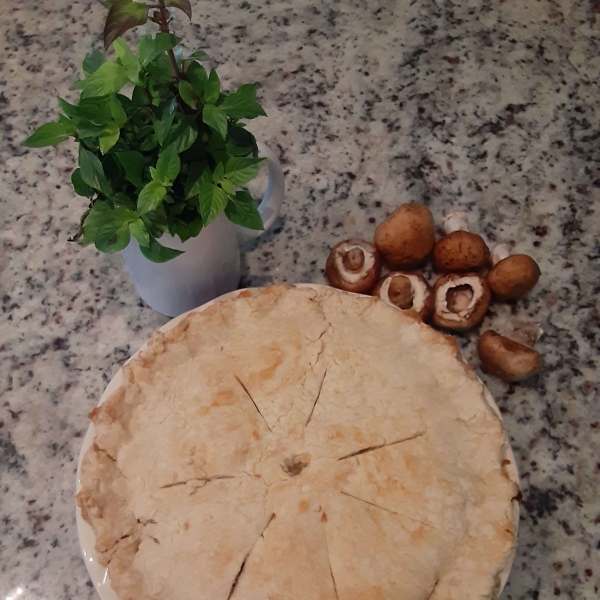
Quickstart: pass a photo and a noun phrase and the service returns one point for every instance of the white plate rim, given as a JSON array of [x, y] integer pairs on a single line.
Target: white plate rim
[[87, 540]]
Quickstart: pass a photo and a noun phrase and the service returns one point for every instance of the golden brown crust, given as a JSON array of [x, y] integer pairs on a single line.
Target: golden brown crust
[[513, 277], [406, 237], [276, 434], [460, 251]]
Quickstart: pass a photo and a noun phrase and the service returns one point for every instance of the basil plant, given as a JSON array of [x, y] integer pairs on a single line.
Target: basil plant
[[162, 148]]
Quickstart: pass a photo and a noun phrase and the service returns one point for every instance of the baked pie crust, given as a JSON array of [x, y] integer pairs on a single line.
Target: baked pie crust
[[302, 444]]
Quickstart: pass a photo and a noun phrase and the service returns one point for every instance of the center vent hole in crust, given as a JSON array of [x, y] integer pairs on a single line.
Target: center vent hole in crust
[[293, 465]]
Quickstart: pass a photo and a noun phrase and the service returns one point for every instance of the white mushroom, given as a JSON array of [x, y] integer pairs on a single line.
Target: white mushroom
[[455, 221]]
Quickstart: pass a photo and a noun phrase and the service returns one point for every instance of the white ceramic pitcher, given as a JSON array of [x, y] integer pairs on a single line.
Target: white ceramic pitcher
[[210, 264]]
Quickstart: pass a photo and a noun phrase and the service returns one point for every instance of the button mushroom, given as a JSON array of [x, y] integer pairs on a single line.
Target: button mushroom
[[507, 358], [459, 250], [512, 275], [353, 266], [461, 301], [406, 291], [406, 237]]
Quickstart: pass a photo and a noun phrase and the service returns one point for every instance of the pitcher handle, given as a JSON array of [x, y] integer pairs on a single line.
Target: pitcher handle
[[270, 205]]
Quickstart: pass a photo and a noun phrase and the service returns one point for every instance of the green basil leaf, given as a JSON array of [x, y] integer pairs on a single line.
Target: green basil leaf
[[184, 5], [116, 110], [242, 170], [48, 134], [212, 88], [112, 240], [241, 210], [133, 163], [227, 186], [213, 201], [240, 142], [92, 172], [163, 119], [216, 119], [96, 110], [242, 104], [197, 55], [85, 129], [139, 97], [186, 230], [139, 232], [156, 177], [79, 185], [109, 138], [122, 199], [151, 197], [186, 91], [197, 77], [169, 163], [70, 110], [152, 47], [192, 184], [158, 253], [123, 16], [92, 61], [149, 143], [128, 59], [156, 221], [218, 173], [107, 228], [108, 78], [177, 208], [183, 134], [161, 73], [70, 127]]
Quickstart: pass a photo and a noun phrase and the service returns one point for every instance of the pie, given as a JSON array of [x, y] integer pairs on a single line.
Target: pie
[[300, 444]]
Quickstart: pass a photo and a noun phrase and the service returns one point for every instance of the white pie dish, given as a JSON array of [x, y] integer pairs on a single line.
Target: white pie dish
[[99, 574]]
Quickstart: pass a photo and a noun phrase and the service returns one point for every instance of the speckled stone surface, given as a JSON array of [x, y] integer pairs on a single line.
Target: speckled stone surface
[[484, 105]]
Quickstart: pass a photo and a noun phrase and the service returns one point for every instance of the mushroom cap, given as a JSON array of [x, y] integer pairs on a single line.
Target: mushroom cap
[[406, 237], [461, 301], [415, 296], [460, 251], [506, 358], [513, 276], [346, 271]]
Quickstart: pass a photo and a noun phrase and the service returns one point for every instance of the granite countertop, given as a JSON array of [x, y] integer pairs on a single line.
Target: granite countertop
[[483, 105]]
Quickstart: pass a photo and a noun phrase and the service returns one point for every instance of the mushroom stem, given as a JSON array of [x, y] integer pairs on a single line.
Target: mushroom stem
[[500, 252], [459, 298], [400, 292], [354, 259], [455, 221], [526, 333]]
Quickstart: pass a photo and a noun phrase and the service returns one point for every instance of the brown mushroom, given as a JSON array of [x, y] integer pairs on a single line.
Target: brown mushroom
[[406, 237], [512, 275], [507, 358], [406, 291], [459, 250], [353, 266], [461, 301]]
